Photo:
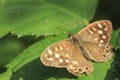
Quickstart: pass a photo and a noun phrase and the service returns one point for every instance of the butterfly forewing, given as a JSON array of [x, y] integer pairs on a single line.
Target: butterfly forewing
[[57, 55], [98, 32]]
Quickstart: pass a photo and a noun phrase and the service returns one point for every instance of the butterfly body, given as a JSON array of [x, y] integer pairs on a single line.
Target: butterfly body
[[76, 40], [77, 52]]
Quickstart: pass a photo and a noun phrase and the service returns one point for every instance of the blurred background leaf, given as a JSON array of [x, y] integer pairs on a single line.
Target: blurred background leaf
[[34, 17], [116, 39]]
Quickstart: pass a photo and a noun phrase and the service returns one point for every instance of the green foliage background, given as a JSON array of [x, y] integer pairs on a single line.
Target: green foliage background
[[28, 27]]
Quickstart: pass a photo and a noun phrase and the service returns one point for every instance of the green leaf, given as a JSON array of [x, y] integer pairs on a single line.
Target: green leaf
[[116, 39], [38, 17]]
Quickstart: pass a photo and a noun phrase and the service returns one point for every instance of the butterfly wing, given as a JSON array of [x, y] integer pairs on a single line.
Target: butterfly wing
[[97, 53], [96, 38], [78, 63], [97, 31], [65, 54], [57, 55]]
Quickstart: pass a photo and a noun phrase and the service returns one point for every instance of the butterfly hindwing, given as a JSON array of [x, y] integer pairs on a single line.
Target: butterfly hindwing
[[97, 53], [79, 64]]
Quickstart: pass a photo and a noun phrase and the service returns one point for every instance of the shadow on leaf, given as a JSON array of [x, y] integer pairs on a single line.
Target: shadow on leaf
[[35, 70], [113, 72]]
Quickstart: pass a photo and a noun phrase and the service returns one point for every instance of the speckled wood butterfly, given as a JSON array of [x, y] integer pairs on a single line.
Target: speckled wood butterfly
[[77, 52]]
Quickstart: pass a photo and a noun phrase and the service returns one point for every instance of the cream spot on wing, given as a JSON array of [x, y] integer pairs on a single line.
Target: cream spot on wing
[[61, 48], [56, 49], [104, 37], [90, 31], [95, 39], [99, 25], [94, 28], [104, 23], [105, 29], [50, 52], [45, 55], [57, 55], [71, 66], [105, 26], [100, 45], [100, 32], [101, 41], [67, 55], [50, 59], [60, 60], [66, 60], [75, 62]]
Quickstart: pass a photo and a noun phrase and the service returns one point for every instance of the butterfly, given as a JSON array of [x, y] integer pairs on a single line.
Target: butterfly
[[76, 53]]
